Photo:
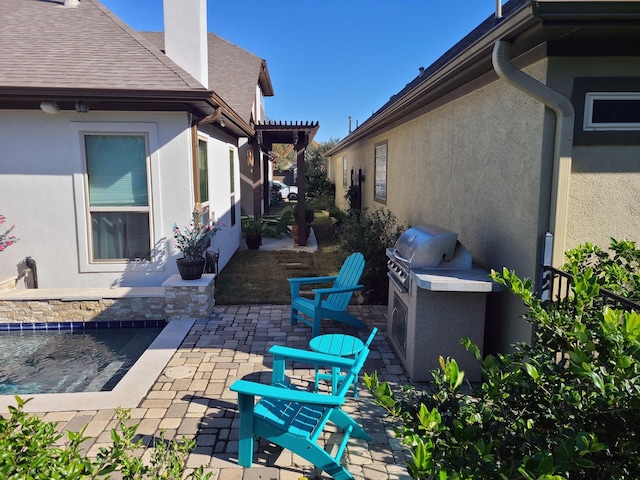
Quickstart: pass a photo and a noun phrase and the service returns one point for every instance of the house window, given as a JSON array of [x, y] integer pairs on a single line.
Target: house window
[[118, 193], [202, 173], [609, 111], [380, 173], [232, 189], [345, 171]]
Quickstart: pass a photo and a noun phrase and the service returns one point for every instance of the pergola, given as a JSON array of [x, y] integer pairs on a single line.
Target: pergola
[[298, 134]]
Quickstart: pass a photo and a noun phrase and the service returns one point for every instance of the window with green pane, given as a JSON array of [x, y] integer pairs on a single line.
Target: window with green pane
[[117, 181], [203, 171]]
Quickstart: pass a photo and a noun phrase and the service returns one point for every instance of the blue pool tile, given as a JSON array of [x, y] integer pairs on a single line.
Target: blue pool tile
[[14, 327], [40, 326]]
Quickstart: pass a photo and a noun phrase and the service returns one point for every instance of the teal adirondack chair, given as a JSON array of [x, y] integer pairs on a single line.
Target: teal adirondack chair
[[330, 303], [294, 419]]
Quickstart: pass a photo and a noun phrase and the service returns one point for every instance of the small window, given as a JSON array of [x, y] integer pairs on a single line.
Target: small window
[[345, 171], [608, 111], [203, 173], [380, 173], [232, 186]]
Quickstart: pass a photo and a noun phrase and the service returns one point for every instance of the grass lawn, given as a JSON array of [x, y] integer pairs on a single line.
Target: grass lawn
[[260, 276]]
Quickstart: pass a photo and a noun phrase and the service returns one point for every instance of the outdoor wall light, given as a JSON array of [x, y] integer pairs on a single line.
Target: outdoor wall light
[[222, 124], [49, 106], [82, 106]]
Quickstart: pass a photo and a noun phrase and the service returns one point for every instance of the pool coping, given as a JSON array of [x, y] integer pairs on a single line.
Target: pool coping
[[129, 391]]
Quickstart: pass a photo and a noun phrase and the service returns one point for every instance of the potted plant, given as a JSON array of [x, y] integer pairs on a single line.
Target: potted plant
[[193, 241], [252, 230]]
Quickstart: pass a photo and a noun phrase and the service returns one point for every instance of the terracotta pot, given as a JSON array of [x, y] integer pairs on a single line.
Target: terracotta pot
[[190, 269], [294, 233]]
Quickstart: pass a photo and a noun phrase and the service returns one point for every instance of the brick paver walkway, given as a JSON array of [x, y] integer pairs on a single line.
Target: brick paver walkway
[[192, 397]]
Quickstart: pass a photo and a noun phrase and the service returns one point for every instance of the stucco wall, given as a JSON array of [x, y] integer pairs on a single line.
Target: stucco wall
[[605, 194], [41, 191], [604, 188], [477, 166]]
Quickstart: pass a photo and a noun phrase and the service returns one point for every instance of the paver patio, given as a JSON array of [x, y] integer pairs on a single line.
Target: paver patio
[[192, 397]]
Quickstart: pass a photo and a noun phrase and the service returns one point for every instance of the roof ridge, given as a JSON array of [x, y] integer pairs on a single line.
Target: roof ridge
[[179, 72]]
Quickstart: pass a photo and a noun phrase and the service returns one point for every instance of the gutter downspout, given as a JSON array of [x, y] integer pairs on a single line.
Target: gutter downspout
[[563, 148]]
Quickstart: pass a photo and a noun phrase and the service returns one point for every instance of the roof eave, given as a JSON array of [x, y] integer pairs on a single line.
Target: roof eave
[[517, 22], [265, 80], [533, 18]]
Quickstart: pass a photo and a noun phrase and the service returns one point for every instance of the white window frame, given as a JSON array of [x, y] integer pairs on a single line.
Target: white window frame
[[207, 203], [150, 132], [379, 158], [345, 171], [590, 97]]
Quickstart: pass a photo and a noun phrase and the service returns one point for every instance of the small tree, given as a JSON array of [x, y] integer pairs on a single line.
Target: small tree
[[371, 233], [318, 185], [566, 407]]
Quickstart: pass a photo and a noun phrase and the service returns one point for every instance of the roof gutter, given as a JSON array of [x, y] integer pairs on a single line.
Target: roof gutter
[[563, 148], [519, 20]]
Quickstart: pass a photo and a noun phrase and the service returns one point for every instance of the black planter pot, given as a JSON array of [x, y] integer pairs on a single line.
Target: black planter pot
[[253, 241], [190, 269]]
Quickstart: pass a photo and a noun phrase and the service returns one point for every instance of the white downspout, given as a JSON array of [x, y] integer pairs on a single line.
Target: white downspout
[[563, 148]]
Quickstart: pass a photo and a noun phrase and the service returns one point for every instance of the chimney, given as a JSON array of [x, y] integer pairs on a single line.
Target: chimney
[[185, 36]]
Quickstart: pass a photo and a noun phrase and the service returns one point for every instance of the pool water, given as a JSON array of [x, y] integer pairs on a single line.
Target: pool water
[[67, 361]]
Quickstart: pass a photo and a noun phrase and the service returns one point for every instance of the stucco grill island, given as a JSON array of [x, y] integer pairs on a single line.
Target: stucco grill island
[[436, 297]]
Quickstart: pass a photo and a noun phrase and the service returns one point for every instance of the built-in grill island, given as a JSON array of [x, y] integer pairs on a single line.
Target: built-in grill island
[[436, 297]]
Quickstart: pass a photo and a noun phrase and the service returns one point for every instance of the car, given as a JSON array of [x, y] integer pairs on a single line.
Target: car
[[286, 191]]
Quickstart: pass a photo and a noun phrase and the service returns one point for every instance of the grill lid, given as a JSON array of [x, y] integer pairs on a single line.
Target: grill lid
[[431, 246]]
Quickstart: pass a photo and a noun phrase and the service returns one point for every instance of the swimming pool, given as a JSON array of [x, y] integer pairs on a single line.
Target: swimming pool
[[70, 357]]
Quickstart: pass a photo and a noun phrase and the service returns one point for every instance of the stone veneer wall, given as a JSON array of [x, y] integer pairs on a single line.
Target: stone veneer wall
[[176, 299], [16, 311], [189, 298]]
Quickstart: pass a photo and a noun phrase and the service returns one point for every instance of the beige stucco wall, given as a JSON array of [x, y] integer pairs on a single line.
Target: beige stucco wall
[[604, 189], [477, 166], [481, 165], [604, 195]]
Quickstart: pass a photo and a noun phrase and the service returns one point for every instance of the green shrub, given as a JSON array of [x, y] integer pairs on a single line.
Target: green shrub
[[618, 270], [31, 448], [371, 233], [567, 407]]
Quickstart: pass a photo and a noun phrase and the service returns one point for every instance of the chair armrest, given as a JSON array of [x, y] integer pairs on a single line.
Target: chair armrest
[[245, 387], [323, 291], [311, 357], [309, 280]]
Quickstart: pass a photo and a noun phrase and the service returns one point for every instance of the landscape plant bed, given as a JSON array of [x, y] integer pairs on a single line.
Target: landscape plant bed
[[260, 276]]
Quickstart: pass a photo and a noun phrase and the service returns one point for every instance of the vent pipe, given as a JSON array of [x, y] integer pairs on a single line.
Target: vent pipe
[[71, 3], [498, 8]]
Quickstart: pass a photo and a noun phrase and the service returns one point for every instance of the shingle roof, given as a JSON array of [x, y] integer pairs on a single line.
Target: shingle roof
[[44, 44], [233, 72]]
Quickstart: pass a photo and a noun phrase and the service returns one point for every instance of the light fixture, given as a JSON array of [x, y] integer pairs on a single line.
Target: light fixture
[[222, 124], [82, 106], [49, 106]]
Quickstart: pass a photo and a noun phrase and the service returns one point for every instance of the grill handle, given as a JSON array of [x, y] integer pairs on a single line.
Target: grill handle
[[401, 258]]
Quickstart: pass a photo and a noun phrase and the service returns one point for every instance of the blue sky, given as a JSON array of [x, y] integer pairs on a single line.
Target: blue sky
[[331, 59]]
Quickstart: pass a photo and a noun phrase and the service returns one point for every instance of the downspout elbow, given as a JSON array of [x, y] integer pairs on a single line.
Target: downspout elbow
[[563, 148]]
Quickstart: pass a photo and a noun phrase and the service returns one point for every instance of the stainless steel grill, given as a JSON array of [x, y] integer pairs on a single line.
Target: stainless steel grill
[[425, 247], [436, 296]]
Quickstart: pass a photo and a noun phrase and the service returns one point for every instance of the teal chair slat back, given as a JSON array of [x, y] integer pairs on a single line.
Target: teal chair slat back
[[348, 276]]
